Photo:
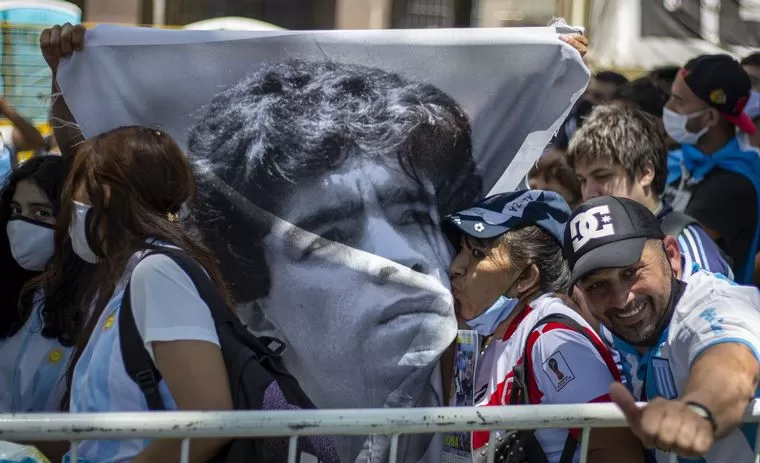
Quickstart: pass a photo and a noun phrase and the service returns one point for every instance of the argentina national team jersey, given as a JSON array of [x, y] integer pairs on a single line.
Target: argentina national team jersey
[[712, 310], [101, 384], [32, 367]]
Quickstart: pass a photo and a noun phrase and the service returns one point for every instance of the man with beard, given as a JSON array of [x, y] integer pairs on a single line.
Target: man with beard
[[322, 189], [688, 347]]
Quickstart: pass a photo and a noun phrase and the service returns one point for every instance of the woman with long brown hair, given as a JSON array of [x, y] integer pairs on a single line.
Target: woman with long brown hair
[[120, 201]]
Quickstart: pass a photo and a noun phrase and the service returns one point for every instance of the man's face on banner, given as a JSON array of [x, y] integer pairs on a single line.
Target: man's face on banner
[[373, 207], [331, 182]]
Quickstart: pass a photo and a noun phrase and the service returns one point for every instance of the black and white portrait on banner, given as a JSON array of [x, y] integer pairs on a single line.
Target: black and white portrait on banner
[[325, 163]]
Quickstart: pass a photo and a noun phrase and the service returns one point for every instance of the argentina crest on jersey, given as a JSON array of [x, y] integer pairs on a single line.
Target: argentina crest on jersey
[[662, 377]]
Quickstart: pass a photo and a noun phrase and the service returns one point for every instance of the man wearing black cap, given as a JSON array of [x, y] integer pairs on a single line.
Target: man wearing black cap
[[713, 178], [689, 347]]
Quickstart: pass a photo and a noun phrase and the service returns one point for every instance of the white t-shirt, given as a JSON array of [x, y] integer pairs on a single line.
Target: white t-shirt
[[166, 307], [564, 368], [711, 311]]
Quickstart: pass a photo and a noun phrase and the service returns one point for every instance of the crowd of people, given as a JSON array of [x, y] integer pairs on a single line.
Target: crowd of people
[[626, 271]]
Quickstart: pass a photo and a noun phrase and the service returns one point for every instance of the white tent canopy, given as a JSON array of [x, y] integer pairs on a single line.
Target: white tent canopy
[[617, 42], [232, 23]]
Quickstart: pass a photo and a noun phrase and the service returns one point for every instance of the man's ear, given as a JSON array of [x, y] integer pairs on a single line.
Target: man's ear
[[673, 253], [647, 175]]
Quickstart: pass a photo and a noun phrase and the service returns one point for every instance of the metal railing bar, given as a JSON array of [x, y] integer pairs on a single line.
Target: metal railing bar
[[393, 454], [585, 437], [74, 451], [180, 425], [292, 449], [185, 451], [491, 447]]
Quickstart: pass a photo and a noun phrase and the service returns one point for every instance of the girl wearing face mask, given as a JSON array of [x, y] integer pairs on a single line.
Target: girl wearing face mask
[[121, 200], [508, 276], [38, 318]]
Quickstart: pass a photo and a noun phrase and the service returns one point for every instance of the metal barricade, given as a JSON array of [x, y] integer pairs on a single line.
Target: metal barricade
[[356, 422]]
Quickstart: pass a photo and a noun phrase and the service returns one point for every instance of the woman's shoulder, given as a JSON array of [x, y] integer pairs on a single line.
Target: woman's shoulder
[[555, 304], [156, 267]]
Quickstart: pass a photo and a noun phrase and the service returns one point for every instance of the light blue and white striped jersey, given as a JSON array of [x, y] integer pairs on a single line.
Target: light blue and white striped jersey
[[101, 383], [711, 311], [166, 307], [32, 367]]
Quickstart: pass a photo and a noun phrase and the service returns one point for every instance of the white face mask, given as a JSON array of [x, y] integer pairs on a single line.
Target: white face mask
[[32, 243], [78, 234], [675, 126]]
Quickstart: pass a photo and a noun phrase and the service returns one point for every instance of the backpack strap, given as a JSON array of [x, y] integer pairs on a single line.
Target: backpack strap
[[520, 395], [140, 366], [137, 361]]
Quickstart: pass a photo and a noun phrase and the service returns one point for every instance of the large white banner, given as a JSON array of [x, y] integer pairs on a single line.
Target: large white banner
[[326, 161]]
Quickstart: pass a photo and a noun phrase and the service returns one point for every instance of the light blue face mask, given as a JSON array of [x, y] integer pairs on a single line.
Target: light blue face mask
[[486, 323]]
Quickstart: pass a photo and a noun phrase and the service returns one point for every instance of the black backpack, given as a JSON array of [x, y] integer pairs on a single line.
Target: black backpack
[[521, 446], [257, 376]]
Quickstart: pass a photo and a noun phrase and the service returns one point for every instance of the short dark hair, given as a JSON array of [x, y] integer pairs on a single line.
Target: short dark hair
[[751, 60], [293, 121], [532, 245], [611, 77], [624, 135], [664, 73], [646, 95]]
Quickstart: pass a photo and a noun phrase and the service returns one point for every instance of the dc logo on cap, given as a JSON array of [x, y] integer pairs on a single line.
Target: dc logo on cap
[[591, 224]]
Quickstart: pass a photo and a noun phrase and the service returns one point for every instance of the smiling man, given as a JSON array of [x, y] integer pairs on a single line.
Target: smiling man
[[688, 344], [323, 185]]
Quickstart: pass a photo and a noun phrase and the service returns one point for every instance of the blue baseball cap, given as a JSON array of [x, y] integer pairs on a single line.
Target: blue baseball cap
[[501, 213]]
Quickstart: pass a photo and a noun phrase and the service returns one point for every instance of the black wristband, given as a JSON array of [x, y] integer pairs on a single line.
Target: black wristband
[[705, 413]]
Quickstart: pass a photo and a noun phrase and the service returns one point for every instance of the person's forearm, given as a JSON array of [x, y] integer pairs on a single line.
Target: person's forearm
[[65, 127], [614, 444], [201, 450], [31, 138], [724, 379]]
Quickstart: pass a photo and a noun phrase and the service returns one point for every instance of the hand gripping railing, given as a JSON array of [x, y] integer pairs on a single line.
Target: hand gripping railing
[[76, 427]]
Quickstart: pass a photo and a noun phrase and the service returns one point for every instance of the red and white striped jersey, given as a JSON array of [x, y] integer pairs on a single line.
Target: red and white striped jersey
[[564, 367]]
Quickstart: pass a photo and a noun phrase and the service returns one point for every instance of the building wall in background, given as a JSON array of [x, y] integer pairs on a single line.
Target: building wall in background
[[515, 13]]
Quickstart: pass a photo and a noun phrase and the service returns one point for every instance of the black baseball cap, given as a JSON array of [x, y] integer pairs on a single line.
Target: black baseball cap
[[608, 232], [503, 212], [721, 82]]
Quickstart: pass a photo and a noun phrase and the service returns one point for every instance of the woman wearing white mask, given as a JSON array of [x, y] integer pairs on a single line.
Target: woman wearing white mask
[[37, 328], [121, 200], [510, 275]]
